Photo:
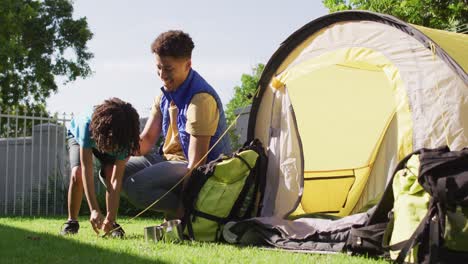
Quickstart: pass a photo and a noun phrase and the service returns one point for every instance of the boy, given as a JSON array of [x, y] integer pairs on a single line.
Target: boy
[[110, 131]]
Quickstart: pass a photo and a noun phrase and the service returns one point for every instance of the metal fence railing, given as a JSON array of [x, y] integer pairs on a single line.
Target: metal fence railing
[[33, 164]]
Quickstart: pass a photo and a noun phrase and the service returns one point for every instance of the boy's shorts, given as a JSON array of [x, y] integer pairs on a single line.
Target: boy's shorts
[[74, 153]]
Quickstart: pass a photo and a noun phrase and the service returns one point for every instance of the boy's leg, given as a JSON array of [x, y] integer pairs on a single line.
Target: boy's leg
[[105, 173], [75, 193], [107, 165], [75, 189]]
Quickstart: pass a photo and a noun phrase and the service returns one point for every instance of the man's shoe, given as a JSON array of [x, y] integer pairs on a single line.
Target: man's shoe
[[71, 227], [117, 232]]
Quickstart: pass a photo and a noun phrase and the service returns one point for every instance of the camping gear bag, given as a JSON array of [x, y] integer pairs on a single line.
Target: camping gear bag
[[317, 233], [370, 238], [226, 189], [442, 236], [410, 206], [423, 221]]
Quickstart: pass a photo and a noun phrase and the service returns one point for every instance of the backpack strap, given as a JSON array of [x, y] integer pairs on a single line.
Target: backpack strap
[[366, 239], [248, 185], [260, 177], [196, 181], [380, 222], [439, 170], [407, 245], [236, 155], [214, 218]]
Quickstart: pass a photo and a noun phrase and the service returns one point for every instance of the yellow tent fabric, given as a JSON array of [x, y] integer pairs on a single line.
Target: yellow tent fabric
[[348, 94], [455, 44], [334, 92]]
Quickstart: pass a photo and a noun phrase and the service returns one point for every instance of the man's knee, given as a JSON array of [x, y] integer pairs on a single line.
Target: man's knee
[[134, 165], [128, 185], [125, 185]]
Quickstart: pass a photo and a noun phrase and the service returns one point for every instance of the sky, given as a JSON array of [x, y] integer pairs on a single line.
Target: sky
[[230, 37]]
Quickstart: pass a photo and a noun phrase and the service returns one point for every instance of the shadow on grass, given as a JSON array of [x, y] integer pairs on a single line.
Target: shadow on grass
[[25, 246]]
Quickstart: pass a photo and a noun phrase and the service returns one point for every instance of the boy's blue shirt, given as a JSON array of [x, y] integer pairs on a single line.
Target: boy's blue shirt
[[79, 129]]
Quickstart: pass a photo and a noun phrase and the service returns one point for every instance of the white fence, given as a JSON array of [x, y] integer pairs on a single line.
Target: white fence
[[33, 164]]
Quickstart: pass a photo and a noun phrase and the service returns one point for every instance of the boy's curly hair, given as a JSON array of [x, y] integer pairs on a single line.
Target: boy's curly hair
[[115, 124], [174, 43]]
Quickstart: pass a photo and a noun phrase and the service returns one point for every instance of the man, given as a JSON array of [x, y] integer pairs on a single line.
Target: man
[[189, 115]]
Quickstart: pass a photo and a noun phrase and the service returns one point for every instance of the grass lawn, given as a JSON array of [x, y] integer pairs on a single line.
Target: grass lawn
[[36, 240]]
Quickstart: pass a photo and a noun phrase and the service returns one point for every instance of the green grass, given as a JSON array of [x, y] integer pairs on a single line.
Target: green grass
[[36, 240]]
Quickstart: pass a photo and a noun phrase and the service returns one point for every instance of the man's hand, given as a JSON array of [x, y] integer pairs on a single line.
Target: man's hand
[[96, 220]]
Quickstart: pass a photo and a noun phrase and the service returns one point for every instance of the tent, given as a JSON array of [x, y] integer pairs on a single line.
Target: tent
[[346, 97]]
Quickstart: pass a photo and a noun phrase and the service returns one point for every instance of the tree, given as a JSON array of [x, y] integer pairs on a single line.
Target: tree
[[39, 41], [243, 95], [441, 14]]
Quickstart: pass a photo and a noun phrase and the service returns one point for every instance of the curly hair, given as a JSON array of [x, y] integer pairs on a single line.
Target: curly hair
[[174, 43], [115, 125]]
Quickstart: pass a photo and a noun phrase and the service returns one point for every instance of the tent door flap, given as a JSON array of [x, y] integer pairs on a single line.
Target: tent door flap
[[326, 194]]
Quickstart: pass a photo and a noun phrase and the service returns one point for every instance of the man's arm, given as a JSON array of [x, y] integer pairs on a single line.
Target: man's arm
[[86, 156], [150, 133], [198, 147], [202, 122], [113, 194]]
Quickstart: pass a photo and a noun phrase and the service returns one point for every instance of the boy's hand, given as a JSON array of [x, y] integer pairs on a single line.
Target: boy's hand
[[107, 225], [96, 219]]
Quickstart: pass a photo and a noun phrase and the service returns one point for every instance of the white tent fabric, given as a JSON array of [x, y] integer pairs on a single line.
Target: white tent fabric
[[422, 72]]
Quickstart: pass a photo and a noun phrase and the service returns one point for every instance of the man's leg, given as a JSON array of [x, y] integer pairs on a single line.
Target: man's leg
[[138, 163], [155, 182], [134, 165]]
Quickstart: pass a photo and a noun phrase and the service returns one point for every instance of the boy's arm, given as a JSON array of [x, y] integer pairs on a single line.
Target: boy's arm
[[96, 218], [150, 133], [113, 194]]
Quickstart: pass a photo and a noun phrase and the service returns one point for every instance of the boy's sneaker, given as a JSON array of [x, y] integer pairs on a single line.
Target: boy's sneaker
[[71, 227], [118, 232]]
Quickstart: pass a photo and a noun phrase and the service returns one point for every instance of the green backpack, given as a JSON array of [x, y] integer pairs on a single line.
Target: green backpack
[[226, 189], [442, 234], [410, 206], [423, 214]]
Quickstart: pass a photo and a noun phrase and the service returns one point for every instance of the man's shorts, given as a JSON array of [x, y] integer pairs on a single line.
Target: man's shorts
[[74, 153]]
